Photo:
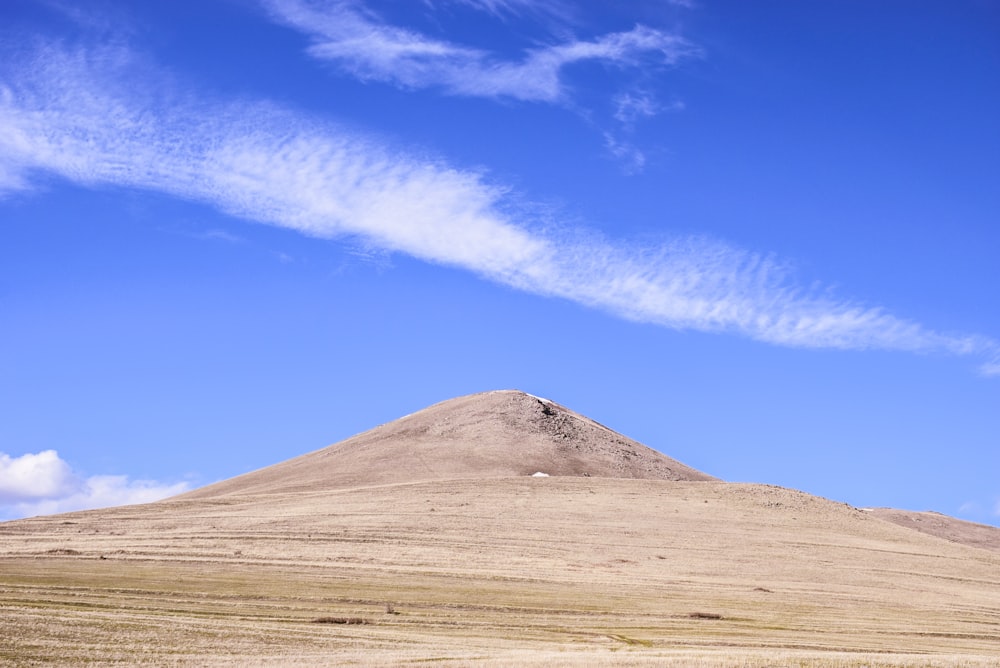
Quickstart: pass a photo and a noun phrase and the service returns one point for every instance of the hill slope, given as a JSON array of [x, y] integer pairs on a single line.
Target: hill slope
[[561, 571], [427, 540], [488, 435], [950, 528]]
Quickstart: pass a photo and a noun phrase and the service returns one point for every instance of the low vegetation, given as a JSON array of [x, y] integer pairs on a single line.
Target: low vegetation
[[523, 571], [355, 555]]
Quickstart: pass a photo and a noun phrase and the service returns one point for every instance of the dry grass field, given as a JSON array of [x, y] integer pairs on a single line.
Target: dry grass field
[[500, 571]]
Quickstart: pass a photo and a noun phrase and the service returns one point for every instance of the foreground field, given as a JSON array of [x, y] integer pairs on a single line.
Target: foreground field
[[513, 571]]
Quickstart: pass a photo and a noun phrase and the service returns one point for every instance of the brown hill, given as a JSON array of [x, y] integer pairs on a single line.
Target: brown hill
[[427, 540], [559, 571], [488, 435], [943, 526]]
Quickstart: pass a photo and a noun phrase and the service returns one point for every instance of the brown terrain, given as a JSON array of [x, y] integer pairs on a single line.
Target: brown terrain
[[429, 540], [943, 526]]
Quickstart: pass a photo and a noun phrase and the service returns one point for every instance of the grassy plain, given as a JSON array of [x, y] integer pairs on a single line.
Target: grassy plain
[[512, 571]]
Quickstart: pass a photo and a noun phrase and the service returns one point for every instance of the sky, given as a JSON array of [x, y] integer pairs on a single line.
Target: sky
[[761, 238]]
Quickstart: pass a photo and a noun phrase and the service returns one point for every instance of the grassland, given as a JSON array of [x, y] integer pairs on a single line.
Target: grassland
[[515, 571]]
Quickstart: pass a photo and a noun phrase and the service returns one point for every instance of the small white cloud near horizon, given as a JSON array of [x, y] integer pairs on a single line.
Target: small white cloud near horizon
[[44, 484], [980, 510], [34, 476]]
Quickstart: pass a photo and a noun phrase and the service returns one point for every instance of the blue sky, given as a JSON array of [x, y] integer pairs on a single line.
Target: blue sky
[[759, 237]]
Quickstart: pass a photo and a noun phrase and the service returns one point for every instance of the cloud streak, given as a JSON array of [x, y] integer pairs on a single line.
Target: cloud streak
[[91, 117], [361, 44], [43, 484]]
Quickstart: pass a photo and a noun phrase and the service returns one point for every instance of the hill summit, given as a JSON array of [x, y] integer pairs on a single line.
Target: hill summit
[[488, 435]]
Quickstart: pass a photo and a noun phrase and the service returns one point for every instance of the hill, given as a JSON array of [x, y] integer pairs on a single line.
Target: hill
[[943, 526], [487, 435], [310, 562]]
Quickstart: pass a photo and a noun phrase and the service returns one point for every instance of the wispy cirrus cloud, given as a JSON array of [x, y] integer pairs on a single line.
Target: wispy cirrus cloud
[[101, 118], [629, 156], [556, 9], [357, 41], [629, 108], [43, 483], [632, 106]]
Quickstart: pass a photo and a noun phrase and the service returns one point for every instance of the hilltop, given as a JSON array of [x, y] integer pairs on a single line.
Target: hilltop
[[495, 434]]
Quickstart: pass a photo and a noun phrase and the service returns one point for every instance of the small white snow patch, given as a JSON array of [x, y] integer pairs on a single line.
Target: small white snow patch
[[539, 475], [542, 399]]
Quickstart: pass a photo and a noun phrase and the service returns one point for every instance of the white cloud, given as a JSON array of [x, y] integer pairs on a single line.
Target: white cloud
[[43, 484], [363, 45], [628, 155], [360, 43], [505, 8], [633, 105], [992, 366], [100, 118], [968, 508], [221, 235], [34, 476], [630, 107]]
